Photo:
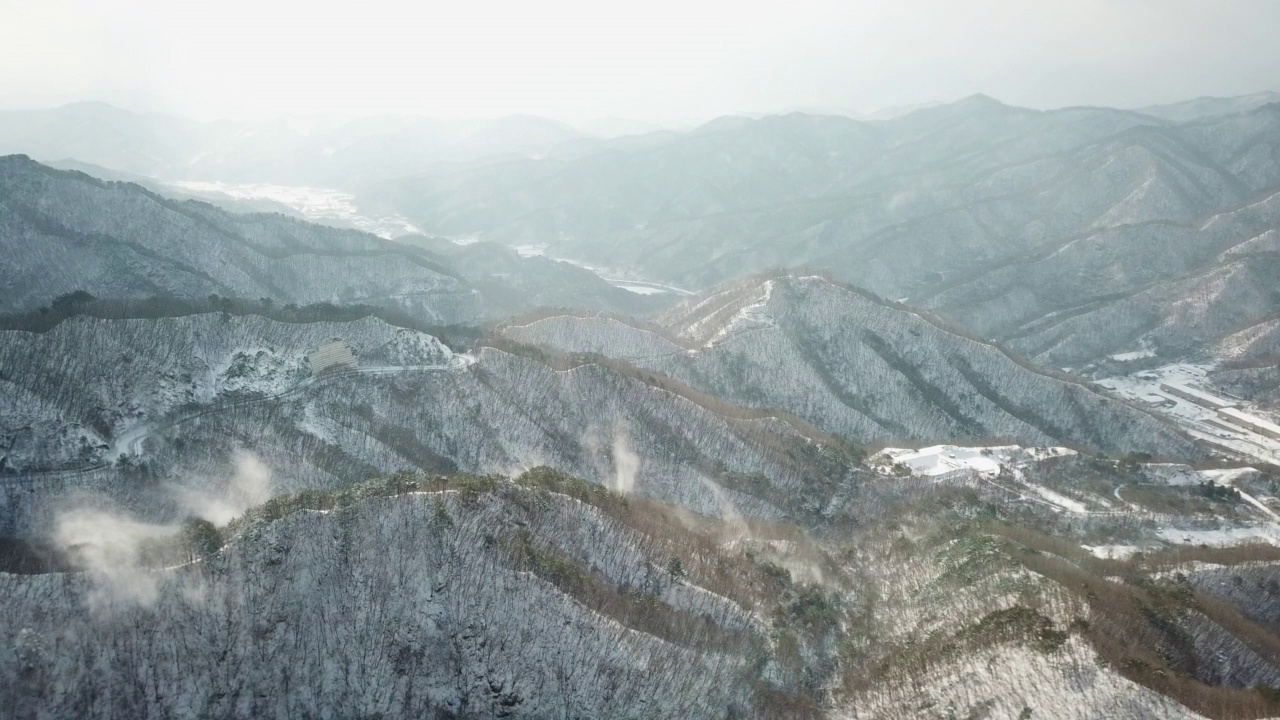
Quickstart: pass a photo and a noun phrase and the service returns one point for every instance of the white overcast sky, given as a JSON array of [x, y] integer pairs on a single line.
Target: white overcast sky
[[659, 60]]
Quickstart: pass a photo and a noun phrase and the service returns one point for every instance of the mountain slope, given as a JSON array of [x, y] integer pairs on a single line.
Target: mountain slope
[[65, 231], [510, 283], [858, 368], [192, 392], [542, 596], [446, 603], [111, 374]]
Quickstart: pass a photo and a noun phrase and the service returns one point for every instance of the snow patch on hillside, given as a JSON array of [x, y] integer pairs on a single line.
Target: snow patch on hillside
[[1113, 552], [1222, 537], [1007, 681]]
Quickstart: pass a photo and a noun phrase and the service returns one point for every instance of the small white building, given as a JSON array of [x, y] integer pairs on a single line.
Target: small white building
[[1250, 422], [945, 463], [332, 356], [1199, 397]]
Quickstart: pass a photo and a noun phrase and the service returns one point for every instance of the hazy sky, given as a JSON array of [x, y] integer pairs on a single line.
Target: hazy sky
[[662, 60]]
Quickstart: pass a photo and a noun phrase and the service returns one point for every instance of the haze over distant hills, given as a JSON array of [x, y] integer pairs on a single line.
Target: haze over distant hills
[[1070, 234], [1065, 235], [65, 232], [294, 151], [1210, 106]]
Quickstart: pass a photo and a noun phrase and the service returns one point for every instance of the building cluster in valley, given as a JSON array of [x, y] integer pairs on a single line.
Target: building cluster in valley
[[1229, 416]]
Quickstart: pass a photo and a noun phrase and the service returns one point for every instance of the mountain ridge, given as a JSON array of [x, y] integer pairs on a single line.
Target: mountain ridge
[[721, 330], [65, 231]]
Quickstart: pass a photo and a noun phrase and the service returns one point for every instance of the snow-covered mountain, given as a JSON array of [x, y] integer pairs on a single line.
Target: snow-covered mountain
[[438, 603], [63, 232], [857, 367], [542, 596], [1044, 227], [809, 583], [180, 396], [73, 390], [252, 466]]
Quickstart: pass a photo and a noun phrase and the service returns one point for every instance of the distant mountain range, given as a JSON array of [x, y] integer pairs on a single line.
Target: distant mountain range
[[1209, 106], [1070, 234], [64, 231]]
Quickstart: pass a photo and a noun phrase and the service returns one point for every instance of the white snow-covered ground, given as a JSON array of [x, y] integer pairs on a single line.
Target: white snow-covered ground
[[1172, 474], [1133, 355], [1112, 552], [1222, 537], [1058, 499], [1266, 529], [1227, 476], [1010, 682], [1201, 422], [751, 315], [640, 289], [318, 204]]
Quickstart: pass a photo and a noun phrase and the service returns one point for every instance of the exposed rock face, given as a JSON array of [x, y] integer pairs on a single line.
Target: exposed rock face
[[859, 368]]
